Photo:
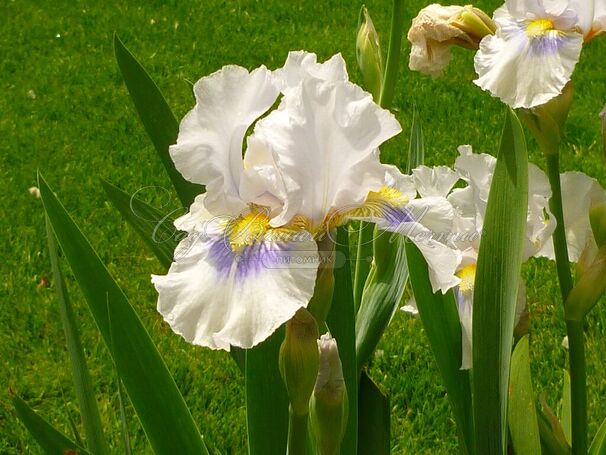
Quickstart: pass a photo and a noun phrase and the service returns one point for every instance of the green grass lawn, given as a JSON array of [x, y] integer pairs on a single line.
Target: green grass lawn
[[65, 111]]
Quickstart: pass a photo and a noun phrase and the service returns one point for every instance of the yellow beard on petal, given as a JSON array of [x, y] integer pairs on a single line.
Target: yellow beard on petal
[[373, 207], [247, 229], [254, 227], [468, 277], [539, 27]]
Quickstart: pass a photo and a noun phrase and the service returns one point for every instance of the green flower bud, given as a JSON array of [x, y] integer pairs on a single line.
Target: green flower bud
[[319, 305], [588, 289], [597, 219], [328, 406], [368, 54], [475, 23], [546, 122], [299, 360]]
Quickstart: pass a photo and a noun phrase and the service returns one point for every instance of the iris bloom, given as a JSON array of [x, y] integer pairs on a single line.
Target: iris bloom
[[580, 193], [469, 206], [250, 258], [536, 47]]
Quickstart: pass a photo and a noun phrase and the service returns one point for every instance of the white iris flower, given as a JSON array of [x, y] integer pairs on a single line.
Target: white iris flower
[[580, 193], [536, 47], [469, 206], [250, 258]]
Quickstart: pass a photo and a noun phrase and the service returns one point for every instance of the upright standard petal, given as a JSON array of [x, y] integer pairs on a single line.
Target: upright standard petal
[[209, 145], [301, 65], [477, 170], [436, 181], [533, 54], [324, 138], [579, 194], [237, 282], [591, 17], [540, 223]]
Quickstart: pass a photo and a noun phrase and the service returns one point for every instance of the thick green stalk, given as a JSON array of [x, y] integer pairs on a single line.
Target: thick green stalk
[[559, 236], [574, 329], [362, 266], [578, 389], [297, 433], [393, 55]]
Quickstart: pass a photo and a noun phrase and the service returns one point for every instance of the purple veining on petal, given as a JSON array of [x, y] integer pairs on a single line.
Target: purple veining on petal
[[395, 216], [248, 261], [547, 44], [221, 256]]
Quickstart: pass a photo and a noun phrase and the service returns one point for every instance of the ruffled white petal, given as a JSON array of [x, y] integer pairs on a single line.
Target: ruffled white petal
[[434, 181], [591, 16], [526, 71], [323, 138], [534, 9], [261, 182], [598, 22], [209, 145], [196, 218], [430, 227], [404, 183], [585, 10], [579, 193], [477, 170], [540, 221], [214, 299], [302, 65]]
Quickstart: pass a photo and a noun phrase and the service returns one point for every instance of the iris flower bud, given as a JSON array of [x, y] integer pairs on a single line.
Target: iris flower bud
[[591, 269], [299, 360], [546, 122], [597, 219], [588, 289], [436, 28], [328, 405], [368, 54], [319, 305]]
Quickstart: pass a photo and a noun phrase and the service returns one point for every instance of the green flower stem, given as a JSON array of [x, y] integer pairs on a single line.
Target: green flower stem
[[578, 389], [393, 55], [574, 329], [559, 236], [297, 433], [362, 266]]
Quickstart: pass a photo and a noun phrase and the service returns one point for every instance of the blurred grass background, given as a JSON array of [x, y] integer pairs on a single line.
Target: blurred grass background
[[65, 111]]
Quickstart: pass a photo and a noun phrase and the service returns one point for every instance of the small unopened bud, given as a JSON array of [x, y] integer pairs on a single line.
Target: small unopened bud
[[368, 54], [438, 27], [299, 360], [588, 289], [328, 404], [475, 23], [320, 302], [603, 117], [597, 219], [546, 122]]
